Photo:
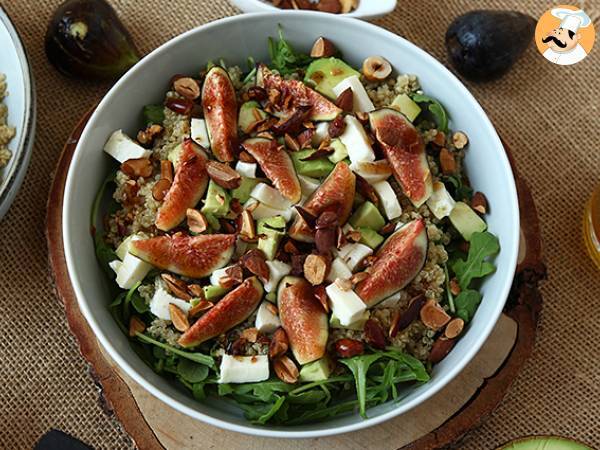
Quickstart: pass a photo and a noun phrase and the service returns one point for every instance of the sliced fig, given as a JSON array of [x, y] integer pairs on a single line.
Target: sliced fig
[[220, 113], [404, 148], [190, 256], [301, 94], [230, 311], [398, 262], [189, 185], [336, 195], [303, 319], [277, 166]]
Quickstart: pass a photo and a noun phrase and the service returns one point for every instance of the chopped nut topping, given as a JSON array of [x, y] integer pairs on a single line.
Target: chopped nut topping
[[376, 68], [255, 262], [479, 203], [178, 317], [321, 294], [402, 320], [315, 269], [323, 48], [286, 370], [223, 175], [454, 286], [201, 306], [345, 100], [441, 347], [374, 334], [166, 170], [337, 127], [196, 290], [160, 189], [460, 140], [272, 308], [447, 162], [347, 348], [196, 221], [136, 168], [248, 228], [187, 87], [344, 285], [454, 328], [291, 143], [250, 334], [279, 343], [136, 325], [433, 315], [176, 286], [439, 139], [358, 277], [151, 132], [246, 157]]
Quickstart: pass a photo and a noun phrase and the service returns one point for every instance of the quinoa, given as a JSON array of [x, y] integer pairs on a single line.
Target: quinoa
[[6, 132], [162, 330], [383, 93]]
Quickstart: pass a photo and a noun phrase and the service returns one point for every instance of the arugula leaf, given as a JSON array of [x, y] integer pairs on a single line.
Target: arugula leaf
[[359, 366], [459, 190], [324, 412], [198, 391], [191, 371], [126, 308], [153, 114], [466, 304], [260, 413], [435, 108], [483, 245], [448, 292], [196, 357], [284, 58]]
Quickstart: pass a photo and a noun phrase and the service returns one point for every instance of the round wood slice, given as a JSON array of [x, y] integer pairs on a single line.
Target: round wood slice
[[523, 307]]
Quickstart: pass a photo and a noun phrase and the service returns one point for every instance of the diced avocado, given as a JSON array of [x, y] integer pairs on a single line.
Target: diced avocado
[[358, 325], [272, 297], [316, 371], [213, 222], [217, 200], [250, 114], [545, 443], [370, 237], [316, 168], [368, 216], [173, 155], [273, 229], [466, 221], [340, 151], [406, 106], [325, 73], [213, 292], [242, 193]]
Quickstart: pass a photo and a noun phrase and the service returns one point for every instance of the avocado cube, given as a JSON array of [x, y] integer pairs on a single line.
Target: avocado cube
[[271, 230], [250, 114], [466, 221], [271, 297], [316, 371], [370, 237], [340, 152], [217, 200], [316, 168], [213, 292], [367, 216], [325, 73], [242, 192], [406, 106]]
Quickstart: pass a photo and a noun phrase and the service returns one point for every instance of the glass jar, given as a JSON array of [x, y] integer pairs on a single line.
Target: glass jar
[[591, 226]]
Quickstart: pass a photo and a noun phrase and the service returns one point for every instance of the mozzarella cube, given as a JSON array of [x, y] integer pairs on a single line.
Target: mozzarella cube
[[353, 253], [270, 196], [159, 305], [321, 133], [308, 185], [339, 269], [244, 369], [115, 265], [389, 199], [345, 305], [356, 141], [362, 102], [217, 275], [245, 169], [372, 171], [441, 202], [122, 147], [263, 211], [266, 321], [199, 132], [277, 270], [131, 271]]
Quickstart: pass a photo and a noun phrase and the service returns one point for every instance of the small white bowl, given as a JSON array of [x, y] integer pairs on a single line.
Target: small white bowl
[[21, 110], [231, 39], [367, 9]]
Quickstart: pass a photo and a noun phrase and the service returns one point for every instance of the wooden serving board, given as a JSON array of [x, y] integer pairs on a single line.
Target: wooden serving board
[[441, 421]]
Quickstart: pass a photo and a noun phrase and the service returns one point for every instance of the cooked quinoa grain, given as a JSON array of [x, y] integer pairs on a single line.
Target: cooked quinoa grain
[[6, 132]]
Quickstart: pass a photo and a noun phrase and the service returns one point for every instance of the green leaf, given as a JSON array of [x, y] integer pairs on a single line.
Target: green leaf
[[200, 358], [198, 391], [466, 304], [482, 245], [191, 371], [359, 365], [139, 303], [260, 413], [153, 114], [448, 292], [435, 108], [126, 304], [284, 58]]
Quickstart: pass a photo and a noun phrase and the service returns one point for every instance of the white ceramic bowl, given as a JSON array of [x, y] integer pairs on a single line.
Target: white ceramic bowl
[[229, 38], [367, 9], [21, 110]]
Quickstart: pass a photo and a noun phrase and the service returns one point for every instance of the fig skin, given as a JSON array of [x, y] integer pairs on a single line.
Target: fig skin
[[189, 185], [483, 45], [86, 39], [399, 260], [230, 311], [277, 166], [190, 256], [303, 319], [220, 112]]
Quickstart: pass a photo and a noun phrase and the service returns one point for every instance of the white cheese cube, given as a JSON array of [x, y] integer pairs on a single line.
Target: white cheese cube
[[356, 141], [199, 132], [345, 305], [389, 199], [132, 270], [244, 369], [362, 102], [159, 305], [263, 211], [308, 185], [353, 253], [270, 196], [441, 202], [115, 265], [122, 147], [277, 270], [266, 321], [339, 269], [372, 171], [245, 169], [321, 133]]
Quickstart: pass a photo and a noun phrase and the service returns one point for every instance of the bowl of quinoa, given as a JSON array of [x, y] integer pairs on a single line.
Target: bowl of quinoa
[[17, 113], [311, 250]]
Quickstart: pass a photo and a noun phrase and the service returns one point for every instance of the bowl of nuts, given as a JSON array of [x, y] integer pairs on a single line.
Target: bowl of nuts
[[360, 9]]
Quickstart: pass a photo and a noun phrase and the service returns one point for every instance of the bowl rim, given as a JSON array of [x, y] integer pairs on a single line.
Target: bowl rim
[[22, 152], [511, 248]]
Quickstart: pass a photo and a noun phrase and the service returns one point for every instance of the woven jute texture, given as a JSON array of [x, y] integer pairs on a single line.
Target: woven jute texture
[[549, 115]]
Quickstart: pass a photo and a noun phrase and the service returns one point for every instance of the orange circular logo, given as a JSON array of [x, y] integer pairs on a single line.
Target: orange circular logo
[[565, 35]]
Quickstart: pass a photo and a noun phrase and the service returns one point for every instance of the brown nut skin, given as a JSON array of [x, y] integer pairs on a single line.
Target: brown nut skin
[[440, 349], [322, 48], [447, 161], [454, 328], [433, 315], [402, 320], [286, 370], [279, 344], [479, 203], [230, 311], [374, 334], [223, 175], [376, 68], [347, 348]]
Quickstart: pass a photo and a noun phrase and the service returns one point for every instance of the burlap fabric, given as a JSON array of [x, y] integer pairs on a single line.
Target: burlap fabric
[[549, 115]]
